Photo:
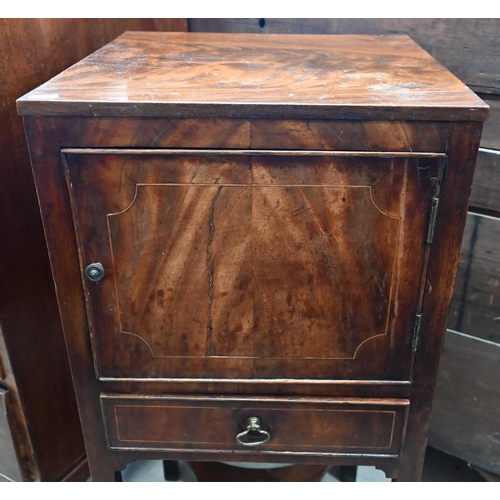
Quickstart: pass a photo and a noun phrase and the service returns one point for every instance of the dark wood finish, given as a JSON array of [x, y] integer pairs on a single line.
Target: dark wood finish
[[79, 474], [232, 322], [475, 307], [443, 261], [261, 77], [467, 47], [332, 136], [48, 436], [321, 427], [465, 420], [349, 135], [85, 183], [218, 472]]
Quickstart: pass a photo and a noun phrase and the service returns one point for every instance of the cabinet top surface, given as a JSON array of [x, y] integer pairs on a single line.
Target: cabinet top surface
[[257, 76]]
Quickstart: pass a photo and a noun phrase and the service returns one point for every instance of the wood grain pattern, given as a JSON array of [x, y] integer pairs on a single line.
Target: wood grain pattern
[[475, 307], [267, 76], [465, 420], [467, 47], [232, 133], [241, 263], [349, 135], [297, 426], [197, 282]]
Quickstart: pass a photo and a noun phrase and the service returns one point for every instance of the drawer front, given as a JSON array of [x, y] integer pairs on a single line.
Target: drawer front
[[295, 425], [252, 265]]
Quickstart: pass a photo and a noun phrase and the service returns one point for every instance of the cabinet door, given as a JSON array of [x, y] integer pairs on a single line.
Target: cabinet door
[[248, 265]]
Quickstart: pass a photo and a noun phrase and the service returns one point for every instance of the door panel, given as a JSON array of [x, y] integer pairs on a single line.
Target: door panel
[[252, 266]]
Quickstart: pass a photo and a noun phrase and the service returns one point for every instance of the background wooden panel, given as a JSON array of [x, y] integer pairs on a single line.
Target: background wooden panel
[[486, 188], [33, 51], [466, 418], [469, 48], [475, 307], [491, 130]]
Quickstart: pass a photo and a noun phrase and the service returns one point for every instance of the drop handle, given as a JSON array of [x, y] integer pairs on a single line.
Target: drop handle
[[253, 426], [95, 272]]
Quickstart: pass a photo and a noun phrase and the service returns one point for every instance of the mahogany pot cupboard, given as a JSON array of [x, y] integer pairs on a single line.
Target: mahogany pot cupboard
[[254, 240]]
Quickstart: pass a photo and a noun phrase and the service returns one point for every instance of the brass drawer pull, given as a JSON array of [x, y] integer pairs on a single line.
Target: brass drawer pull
[[253, 425]]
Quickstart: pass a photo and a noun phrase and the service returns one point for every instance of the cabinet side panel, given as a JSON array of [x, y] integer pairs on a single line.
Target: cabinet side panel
[[454, 200], [45, 139]]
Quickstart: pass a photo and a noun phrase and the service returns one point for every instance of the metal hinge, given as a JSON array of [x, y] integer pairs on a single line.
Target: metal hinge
[[416, 332], [432, 219]]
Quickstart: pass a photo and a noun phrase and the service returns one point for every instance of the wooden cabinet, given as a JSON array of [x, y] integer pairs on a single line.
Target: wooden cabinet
[[254, 238]]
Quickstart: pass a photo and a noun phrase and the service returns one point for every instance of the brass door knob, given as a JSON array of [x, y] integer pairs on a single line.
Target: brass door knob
[[95, 272], [253, 427]]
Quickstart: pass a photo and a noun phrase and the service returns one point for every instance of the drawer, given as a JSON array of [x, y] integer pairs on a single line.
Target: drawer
[[318, 426]]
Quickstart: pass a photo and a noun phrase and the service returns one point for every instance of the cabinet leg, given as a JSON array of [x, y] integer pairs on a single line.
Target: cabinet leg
[[171, 470], [348, 473], [409, 474], [104, 473], [411, 466]]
